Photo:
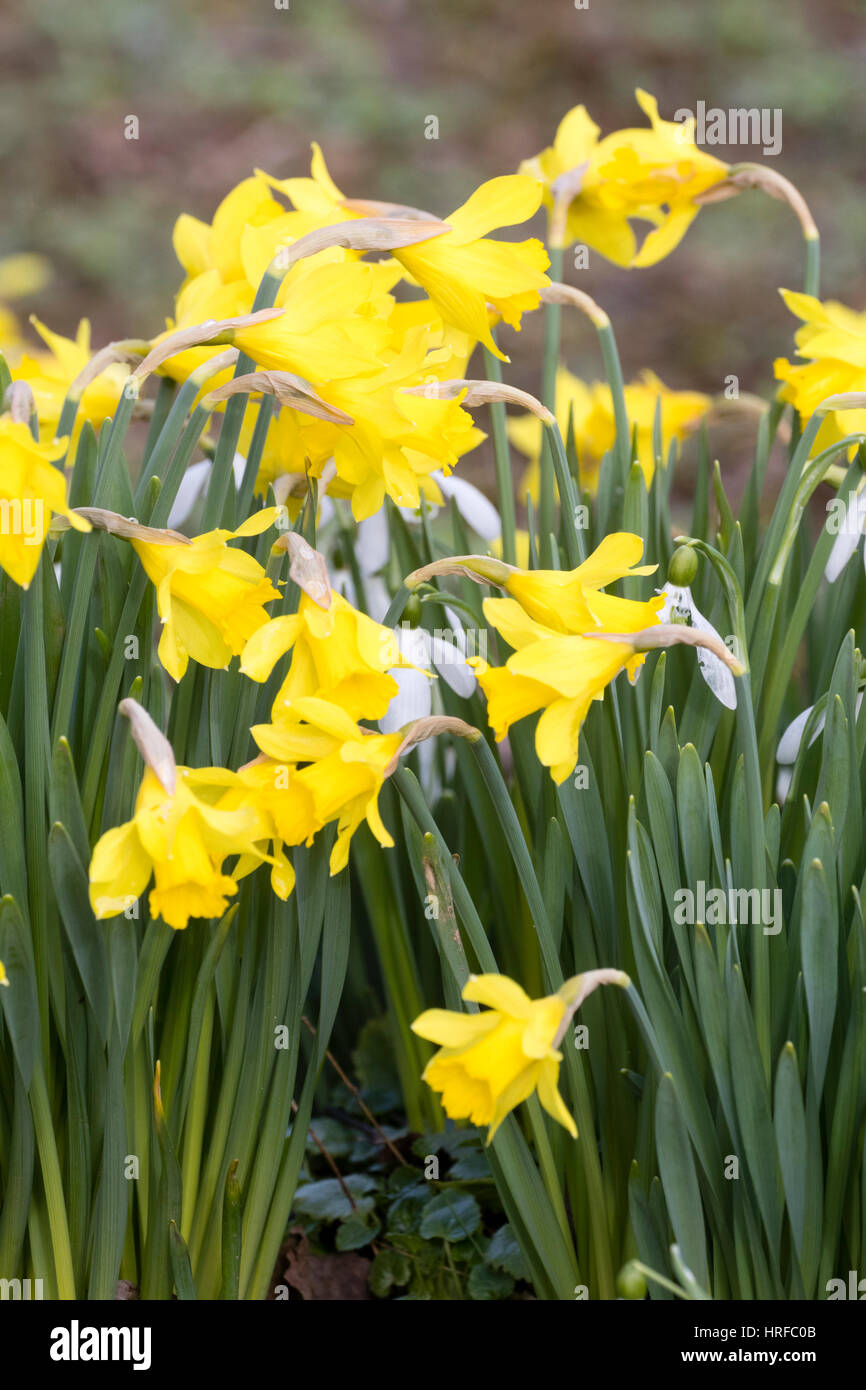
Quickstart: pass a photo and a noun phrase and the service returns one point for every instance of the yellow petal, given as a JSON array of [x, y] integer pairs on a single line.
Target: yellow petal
[[546, 1017], [557, 735], [576, 136], [662, 240], [498, 992], [613, 557], [451, 1029], [268, 644], [548, 1094], [119, 871], [500, 202], [258, 522]]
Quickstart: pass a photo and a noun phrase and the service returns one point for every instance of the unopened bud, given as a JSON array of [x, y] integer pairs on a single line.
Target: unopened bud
[[683, 567]]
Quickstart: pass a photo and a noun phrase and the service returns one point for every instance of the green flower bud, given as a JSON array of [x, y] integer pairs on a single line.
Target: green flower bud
[[412, 611], [630, 1283], [683, 567]]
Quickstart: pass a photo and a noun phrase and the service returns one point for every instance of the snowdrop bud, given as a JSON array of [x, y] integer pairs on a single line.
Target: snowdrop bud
[[683, 566]]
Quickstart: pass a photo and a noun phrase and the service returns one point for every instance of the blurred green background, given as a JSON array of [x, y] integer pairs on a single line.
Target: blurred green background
[[221, 87]]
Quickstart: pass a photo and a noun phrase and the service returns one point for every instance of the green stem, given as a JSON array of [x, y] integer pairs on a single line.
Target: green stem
[[52, 1184], [550, 362], [783, 664], [613, 372], [549, 1174], [812, 276], [502, 461], [553, 970]]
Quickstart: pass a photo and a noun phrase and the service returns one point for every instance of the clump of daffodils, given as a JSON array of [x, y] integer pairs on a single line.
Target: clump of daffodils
[[357, 689]]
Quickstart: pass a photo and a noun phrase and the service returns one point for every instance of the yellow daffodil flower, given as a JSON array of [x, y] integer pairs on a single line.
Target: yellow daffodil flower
[[338, 654], [489, 1062], [21, 275], [554, 667], [391, 442], [565, 600], [200, 246], [4, 979], [210, 596], [11, 341], [330, 328], [346, 767], [559, 675], [31, 490], [464, 270], [49, 374], [594, 424], [649, 175], [182, 839], [833, 337]]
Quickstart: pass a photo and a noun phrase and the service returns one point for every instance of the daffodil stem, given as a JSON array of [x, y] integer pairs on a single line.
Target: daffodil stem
[[37, 760], [613, 371], [157, 460], [254, 456], [774, 565], [549, 1175], [812, 276], [396, 606], [781, 513], [18, 1178], [233, 419], [550, 362], [53, 1184], [583, 1110], [408, 787], [400, 974], [74, 641], [101, 727], [761, 1002], [502, 462], [575, 545], [783, 664]]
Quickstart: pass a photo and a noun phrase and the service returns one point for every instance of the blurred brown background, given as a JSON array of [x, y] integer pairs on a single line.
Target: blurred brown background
[[222, 86]]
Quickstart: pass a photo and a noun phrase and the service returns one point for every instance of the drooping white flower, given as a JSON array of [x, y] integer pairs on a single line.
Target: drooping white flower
[[443, 652], [476, 510], [193, 484], [791, 742], [680, 607]]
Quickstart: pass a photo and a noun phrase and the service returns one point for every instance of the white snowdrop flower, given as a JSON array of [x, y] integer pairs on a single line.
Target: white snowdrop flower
[[429, 652], [791, 741], [373, 543], [376, 595], [783, 784], [193, 483], [476, 509], [680, 607]]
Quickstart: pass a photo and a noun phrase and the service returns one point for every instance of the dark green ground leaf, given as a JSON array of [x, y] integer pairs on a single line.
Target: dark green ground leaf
[[451, 1216]]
